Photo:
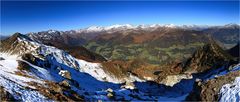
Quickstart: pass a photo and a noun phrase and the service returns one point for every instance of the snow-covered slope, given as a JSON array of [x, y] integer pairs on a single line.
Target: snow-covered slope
[[16, 84], [231, 92], [58, 57]]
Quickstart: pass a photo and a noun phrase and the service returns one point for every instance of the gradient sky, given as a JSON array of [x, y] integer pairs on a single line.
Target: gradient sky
[[35, 16]]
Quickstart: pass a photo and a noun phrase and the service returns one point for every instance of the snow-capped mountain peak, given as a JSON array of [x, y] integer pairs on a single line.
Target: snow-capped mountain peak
[[94, 29], [51, 31], [231, 25], [123, 27], [155, 25], [169, 25], [117, 26]]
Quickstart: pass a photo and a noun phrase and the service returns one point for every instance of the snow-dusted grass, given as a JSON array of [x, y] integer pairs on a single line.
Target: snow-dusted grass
[[41, 72], [8, 67], [15, 84], [21, 93]]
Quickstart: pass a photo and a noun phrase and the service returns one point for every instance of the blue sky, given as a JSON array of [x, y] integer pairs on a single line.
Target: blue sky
[[35, 16]]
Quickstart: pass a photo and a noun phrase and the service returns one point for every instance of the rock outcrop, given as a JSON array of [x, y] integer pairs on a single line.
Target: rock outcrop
[[65, 74], [174, 79], [128, 85], [208, 90], [210, 56], [5, 95]]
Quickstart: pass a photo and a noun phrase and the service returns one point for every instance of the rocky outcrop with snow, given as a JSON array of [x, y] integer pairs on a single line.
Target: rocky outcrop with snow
[[230, 92], [215, 86], [16, 84], [58, 57]]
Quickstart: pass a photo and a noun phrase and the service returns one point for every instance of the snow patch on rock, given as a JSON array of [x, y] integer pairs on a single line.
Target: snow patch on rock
[[230, 92]]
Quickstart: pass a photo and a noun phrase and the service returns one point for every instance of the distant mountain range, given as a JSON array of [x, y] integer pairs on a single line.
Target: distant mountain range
[[126, 42], [149, 27], [91, 32], [121, 63]]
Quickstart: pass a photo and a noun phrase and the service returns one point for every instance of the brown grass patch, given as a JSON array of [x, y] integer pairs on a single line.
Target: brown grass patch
[[116, 68], [56, 92], [20, 73], [142, 69], [23, 66]]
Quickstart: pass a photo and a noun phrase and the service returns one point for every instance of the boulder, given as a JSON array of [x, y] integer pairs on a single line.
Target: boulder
[[110, 95], [171, 80], [109, 90], [65, 74], [64, 83], [1, 58], [129, 85]]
